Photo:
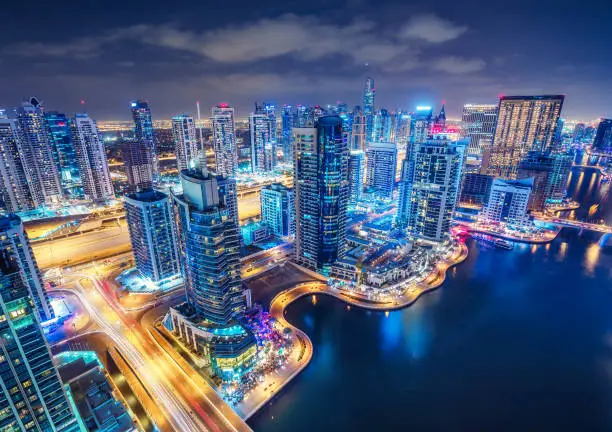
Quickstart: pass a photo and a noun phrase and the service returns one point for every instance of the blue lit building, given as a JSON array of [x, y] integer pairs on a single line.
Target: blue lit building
[[210, 320], [603, 138], [287, 120], [32, 397], [143, 131], [277, 209], [381, 166], [382, 128], [369, 94], [421, 122], [358, 133], [14, 241], [355, 176], [153, 236], [321, 193], [58, 131]]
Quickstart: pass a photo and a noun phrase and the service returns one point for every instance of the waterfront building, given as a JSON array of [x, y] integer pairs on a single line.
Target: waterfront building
[[210, 320], [550, 173], [355, 176], [433, 177], [64, 153], [524, 124], [37, 154], [32, 394], [153, 236], [14, 242], [475, 188], [143, 132], [358, 133], [321, 193], [479, 124], [91, 156], [381, 165], [16, 192], [278, 210], [369, 95], [186, 142], [603, 138], [226, 156], [138, 165], [508, 202]]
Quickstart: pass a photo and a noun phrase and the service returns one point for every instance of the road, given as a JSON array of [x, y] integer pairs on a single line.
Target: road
[[577, 224]]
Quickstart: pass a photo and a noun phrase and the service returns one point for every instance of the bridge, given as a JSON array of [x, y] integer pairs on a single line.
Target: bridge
[[572, 223]]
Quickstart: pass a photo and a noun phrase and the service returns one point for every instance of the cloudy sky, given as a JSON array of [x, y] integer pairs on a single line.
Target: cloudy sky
[[303, 51]]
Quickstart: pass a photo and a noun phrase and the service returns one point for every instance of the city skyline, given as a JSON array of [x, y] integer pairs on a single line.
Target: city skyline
[[417, 55]]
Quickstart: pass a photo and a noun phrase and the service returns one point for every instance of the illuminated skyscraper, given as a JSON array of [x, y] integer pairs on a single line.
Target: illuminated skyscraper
[[381, 166], [15, 186], [288, 117], [420, 125], [14, 241], [186, 141], [321, 193], [355, 176], [138, 168], [278, 210], [259, 132], [435, 173], [226, 157], [524, 124], [369, 109], [210, 321], [549, 174], [479, 124], [382, 127], [603, 138], [143, 131], [37, 154], [32, 397], [152, 233], [358, 135], [58, 131], [91, 156]]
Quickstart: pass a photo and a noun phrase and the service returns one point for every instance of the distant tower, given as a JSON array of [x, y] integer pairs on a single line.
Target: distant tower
[[369, 93], [358, 135], [524, 124], [321, 193], [14, 242], [91, 156], [186, 143], [33, 397], [37, 154], [603, 138], [479, 124], [137, 162], [143, 131], [226, 156], [355, 175], [64, 154], [259, 130], [288, 116], [16, 186], [381, 166]]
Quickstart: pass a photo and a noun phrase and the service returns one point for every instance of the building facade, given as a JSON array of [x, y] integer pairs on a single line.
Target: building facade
[[381, 165], [144, 134], [14, 242], [16, 192], [278, 210], [153, 236], [32, 397], [321, 193], [138, 165], [603, 137], [186, 142], [64, 153], [524, 124], [478, 124], [508, 202], [259, 132], [355, 176], [91, 156], [475, 188]]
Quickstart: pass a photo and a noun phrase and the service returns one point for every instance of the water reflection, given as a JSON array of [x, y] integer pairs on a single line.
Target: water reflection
[[591, 258]]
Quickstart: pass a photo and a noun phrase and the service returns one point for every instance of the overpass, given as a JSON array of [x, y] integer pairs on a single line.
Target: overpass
[[571, 223]]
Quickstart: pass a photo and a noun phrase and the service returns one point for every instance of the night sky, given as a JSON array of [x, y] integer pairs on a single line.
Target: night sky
[[308, 51]]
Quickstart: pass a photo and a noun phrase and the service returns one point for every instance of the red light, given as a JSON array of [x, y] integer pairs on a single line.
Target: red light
[[223, 105], [501, 95], [443, 102], [82, 101], [62, 124]]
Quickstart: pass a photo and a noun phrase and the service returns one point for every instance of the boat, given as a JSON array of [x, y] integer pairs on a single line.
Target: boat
[[503, 244]]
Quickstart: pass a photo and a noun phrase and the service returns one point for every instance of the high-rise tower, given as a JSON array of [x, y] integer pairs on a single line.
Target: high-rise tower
[[479, 124], [64, 154], [186, 142], [369, 94], [15, 185], [381, 166], [143, 132]]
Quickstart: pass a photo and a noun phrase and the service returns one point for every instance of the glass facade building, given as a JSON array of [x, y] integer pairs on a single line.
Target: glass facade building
[[143, 132], [381, 166], [153, 236], [321, 193], [186, 143], [32, 397], [603, 137], [479, 124], [64, 154], [277, 209], [355, 175], [138, 165], [16, 187]]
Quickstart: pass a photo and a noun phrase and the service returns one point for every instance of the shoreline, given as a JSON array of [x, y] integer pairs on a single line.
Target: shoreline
[[283, 299], [548, 239]]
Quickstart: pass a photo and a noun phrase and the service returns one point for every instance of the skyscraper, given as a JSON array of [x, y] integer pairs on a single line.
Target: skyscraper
[[259, 132], [138, 168], [358, 135], [420, 125], [435, 174], [14, 241], [355, 176], [321, 193], [15, 188], [381, 166], [91, 156], [603, 138], [32, 395], [211, 261], [369, 109], [549, 174], [507, 202], [404, 203], [524, 124], [58, 131], [186, 141], [278, 210], [37, 154], [226, 157], [479, 124], [288, 117], [152, 233], [382, 127], [143, 132]]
